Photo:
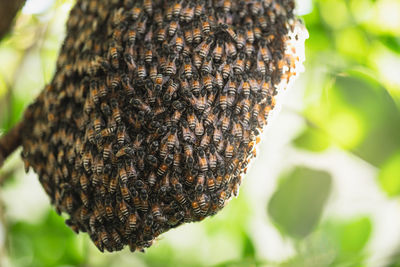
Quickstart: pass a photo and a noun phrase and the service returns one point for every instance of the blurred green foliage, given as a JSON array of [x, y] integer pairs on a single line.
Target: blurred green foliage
[[298, 202], [351, 103]]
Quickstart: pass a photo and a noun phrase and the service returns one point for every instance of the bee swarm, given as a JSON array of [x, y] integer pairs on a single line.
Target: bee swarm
[[154, 111]]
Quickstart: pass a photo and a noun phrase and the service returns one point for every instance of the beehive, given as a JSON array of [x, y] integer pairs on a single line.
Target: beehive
[[154, 111]]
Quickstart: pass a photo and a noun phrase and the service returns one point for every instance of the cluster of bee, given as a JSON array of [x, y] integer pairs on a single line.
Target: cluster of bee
[[154, 111]]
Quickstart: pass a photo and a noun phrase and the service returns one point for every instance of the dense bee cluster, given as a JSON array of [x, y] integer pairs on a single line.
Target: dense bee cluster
[[154, 111]]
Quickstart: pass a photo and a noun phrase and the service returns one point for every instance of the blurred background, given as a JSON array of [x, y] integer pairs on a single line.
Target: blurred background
[[323, 191]]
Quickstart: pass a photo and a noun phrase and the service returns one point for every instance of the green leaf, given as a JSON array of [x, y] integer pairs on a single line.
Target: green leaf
[[47, 243], [312, 139], [359, 115], [389, 176], [297, 204], [349, 238]]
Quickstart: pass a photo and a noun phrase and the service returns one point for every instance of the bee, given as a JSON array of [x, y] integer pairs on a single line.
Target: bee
[[229, 150], [173, 25], [211, 118], [227, 68], [237, 130], [165, 185], [188, 70], [122, 210], [200, 182], [104, 237], [249, 49], [261, 67], [212, 159], [130, 62], [94, 92], [230, 49], [204, 48], [187, 134], [225, 120], [218, 50], [257, 32], [250, 34], [136, 12], [141, 25], [178, 41], [158, 83], [148, 53], [221, 198], [191, 118], [162, 169], [198, 10], [188, 12], [152, 178], [211, 97], [113, 54], [121, 136], [188, 151], [172, 139], [217, 136], [196, 208], [175, 118], [238, 67], [115, 111], [153, 71], [201, 101], [246, 119], [210, 182], [203, 202], [205, 25], [125, 192], [175, 183], [190, 177], [246, 87], [109, 211], [230, 31], [141, 70], [158, 17], [254, 85], [203, 164], [84, 181], [171, 66], [131, 222], [171, 89], [223, 101], [197, 37], [148, 6], [197, 60], [207, 66], [99, 165], [140, 159], [161, 33], [205, 141], [177, 8], [188, 34], [122, 173], [227, 6], [139, 104], [156, 212], [180, 197], [168, 12], [199, 128], [112, 187], [264, 52], [87, 160]]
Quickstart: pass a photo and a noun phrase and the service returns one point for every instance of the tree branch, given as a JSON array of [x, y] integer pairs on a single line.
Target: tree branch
[[11, 141], [8, 10]]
